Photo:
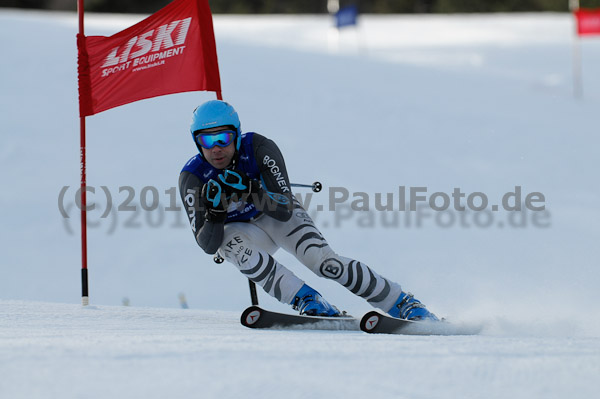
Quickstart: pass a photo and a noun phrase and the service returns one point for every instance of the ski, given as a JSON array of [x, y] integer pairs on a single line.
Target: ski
[[257, 317], [376, 323]]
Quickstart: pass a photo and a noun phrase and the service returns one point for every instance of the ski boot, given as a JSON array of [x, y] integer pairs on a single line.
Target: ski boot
[[409, 308], [310, 303]]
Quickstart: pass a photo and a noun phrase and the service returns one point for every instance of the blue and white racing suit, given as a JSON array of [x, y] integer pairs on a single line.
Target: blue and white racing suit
[[253, 231]]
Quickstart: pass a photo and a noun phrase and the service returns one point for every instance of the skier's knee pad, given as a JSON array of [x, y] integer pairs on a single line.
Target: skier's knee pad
[[332, 266], [325, 262]]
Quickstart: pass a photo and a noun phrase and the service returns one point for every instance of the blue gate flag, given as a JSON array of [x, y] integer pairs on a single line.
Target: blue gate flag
[[346, 16]]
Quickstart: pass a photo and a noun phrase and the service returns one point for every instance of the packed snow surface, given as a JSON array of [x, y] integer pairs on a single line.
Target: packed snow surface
[[66, 351], [483, 103]]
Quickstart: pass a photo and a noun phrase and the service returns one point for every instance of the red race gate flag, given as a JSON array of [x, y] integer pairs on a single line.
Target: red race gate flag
[[172, 51], [588, 21]]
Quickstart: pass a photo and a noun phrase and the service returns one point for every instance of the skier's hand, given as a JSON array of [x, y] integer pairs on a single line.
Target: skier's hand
[[212, 197], [237, 182]]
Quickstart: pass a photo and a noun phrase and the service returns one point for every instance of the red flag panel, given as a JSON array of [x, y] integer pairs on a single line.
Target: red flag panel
[[172, 51], [588, 21]]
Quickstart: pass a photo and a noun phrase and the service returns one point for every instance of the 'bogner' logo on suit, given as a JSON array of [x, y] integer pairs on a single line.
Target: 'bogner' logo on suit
[[276, 173]]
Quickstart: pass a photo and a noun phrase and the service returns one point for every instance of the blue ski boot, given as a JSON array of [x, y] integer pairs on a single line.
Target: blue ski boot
[[309, 302], [409, 308]]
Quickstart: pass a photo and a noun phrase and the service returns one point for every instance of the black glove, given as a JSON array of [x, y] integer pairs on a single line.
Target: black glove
[[237, 182], [212, 197]]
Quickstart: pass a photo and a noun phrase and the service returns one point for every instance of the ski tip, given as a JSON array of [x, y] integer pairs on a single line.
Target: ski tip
[[374, 322], [369, 321], [251, 316]]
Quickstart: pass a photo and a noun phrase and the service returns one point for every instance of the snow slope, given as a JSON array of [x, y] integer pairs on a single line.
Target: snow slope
[[483, 103], [66, 351]]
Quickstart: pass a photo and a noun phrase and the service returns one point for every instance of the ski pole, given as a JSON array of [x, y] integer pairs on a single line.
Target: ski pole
[[253, 294], [316, 186]]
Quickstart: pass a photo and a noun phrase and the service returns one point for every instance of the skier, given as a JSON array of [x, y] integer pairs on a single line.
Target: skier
[[238, 198]]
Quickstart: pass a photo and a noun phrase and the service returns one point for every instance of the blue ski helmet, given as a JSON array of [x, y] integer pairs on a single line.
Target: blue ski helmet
[[216, 113]]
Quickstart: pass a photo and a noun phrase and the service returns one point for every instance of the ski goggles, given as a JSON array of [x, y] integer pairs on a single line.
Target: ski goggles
[[209, 140]]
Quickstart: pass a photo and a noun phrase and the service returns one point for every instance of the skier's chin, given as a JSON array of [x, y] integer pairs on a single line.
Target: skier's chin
[[219, 163]]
